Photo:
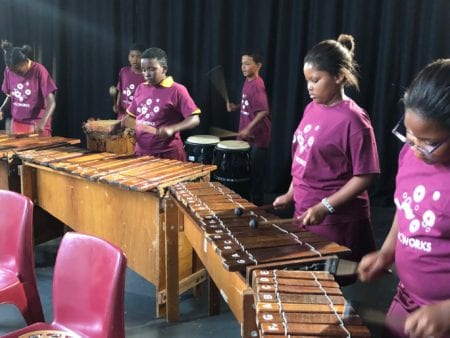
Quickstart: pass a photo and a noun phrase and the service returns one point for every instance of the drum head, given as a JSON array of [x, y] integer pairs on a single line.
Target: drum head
[[233, 145], [202, 139]]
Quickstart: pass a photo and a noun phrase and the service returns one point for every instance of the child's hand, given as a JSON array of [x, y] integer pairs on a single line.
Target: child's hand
[[372, 266], [314, 215], [429, 321], [282, 202], [232, 106]]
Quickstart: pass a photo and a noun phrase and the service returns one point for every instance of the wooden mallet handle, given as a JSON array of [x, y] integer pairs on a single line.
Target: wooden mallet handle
[[254, 223]]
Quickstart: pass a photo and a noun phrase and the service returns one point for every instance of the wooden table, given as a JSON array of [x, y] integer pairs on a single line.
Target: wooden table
[[138, 222]]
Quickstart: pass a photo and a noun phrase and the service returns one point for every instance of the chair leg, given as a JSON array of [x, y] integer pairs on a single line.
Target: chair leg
[[32, 309]]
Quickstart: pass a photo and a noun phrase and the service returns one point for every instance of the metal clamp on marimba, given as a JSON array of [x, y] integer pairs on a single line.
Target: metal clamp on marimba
[[303, 303]]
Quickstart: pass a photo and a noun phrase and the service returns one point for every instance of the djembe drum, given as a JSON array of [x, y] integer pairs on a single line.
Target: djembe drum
[[232, 159], [200, 148]]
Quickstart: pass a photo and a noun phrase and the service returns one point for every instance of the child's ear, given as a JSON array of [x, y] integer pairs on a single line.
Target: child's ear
[[340, 78]]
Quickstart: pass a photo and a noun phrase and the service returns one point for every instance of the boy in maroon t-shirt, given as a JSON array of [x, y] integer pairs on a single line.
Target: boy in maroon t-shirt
[[254, 123], [160, 109], [129, 78]]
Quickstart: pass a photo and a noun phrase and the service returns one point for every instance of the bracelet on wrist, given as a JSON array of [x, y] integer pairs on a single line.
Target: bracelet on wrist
[[327, 205]]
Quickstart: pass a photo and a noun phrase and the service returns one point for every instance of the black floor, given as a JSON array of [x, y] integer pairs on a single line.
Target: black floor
[[371, 300]]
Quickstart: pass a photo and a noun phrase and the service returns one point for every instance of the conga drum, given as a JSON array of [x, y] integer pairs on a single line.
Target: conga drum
[[232, 159], [200, 148]]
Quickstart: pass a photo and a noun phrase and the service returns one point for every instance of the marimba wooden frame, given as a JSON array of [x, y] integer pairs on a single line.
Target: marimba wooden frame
[[135, 221], [232, 285]]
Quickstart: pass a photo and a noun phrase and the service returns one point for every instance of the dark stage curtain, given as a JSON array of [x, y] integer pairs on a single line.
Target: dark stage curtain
[[84, 44]]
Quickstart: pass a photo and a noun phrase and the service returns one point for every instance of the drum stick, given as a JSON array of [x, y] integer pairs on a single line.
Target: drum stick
[[217, 78]]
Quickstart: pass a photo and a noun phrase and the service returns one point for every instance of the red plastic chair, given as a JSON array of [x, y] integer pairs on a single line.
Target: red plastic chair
[[88, 289], [17, 274]]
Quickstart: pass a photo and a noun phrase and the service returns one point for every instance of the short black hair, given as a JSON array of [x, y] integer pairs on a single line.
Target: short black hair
[[137, 46], [156, 53], [257, 57]]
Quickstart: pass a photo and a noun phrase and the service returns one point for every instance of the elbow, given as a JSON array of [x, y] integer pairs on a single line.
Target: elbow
[[195, 121]]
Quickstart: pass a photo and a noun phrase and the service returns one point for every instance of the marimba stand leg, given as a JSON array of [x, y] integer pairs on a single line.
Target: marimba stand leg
[[213, 298], [172, 270]]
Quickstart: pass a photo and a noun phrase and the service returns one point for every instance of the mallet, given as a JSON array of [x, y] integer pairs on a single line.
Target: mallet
[[239, 211], [254, 223]]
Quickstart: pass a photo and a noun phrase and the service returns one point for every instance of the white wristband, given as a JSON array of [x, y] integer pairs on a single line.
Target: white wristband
[[328, 205]]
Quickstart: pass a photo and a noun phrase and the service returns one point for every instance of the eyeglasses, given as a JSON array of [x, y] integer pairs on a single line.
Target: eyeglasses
[[427, 150]]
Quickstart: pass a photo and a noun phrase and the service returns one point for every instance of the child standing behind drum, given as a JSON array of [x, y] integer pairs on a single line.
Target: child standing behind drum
[[30, 92], [161, 108], [419, 239], [255, 125], [334, 152], [129, 78]]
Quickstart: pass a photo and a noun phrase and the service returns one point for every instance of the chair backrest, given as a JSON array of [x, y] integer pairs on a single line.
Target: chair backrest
[[16, 234], [88, 286]]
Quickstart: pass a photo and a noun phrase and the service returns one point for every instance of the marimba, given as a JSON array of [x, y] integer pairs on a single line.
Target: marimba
[[12, 145], [121, 198], [303, 304], [227, 246]]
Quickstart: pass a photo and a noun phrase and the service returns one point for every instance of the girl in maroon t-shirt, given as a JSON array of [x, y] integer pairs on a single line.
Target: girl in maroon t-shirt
[[29, 91], [334, 152], [419, 239]]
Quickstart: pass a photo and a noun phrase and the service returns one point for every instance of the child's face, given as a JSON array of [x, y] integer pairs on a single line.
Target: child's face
[[134, 58], [429, 135], [248, 66], [21, 68], [152, 71], [323, 87]]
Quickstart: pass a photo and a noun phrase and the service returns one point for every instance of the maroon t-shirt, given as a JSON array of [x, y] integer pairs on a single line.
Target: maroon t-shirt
[[254, 100], [422, 252], [330, 146], [157, 106], [28, 92], [128, 82]]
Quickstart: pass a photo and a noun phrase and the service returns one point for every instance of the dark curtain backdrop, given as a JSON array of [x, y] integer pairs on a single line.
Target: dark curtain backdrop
[[84, 44]]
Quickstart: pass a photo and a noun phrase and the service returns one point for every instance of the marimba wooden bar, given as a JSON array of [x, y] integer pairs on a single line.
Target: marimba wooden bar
[[122, 199], [226, 245], [303, 304]]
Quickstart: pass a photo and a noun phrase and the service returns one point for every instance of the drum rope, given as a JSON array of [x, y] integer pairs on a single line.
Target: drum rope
[[341, 322], [280, 303]]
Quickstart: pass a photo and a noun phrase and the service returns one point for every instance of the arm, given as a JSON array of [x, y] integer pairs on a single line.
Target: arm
[[188, 123], [233, 106], [349, 191], [246, 132], [283, 201], [5, 104], [116, 103], [375, 263], [50, 104], [129, 121]]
